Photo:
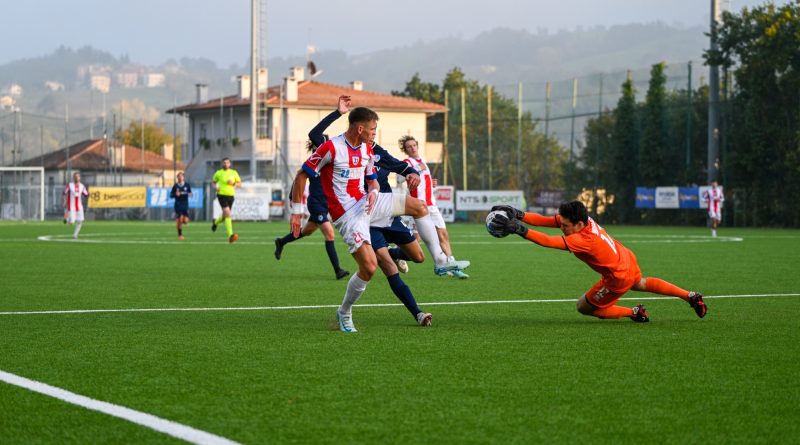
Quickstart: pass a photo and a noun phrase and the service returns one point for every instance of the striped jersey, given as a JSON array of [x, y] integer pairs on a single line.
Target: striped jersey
[[715, 198], [425, 189], [73, 192], [342, 170]]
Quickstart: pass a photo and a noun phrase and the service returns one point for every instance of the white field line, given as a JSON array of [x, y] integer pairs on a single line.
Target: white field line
[[378, 305], [667, 239], [165, 426]]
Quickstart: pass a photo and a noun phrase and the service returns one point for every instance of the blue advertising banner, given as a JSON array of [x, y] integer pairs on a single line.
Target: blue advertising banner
[[689, 197], [645, 198], [158, 198]]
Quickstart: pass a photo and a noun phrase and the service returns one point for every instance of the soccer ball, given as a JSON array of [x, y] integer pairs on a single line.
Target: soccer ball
[[490, 218]]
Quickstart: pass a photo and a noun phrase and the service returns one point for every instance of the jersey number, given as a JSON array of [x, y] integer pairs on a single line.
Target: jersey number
[[609, 241]]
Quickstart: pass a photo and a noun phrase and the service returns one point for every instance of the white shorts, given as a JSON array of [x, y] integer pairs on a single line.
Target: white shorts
[[74, 216], [436, 218], [387, 206], [715, 214], [354, 226]]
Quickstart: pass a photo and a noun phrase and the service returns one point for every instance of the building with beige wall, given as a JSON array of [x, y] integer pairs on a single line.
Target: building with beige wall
[[220, 127]]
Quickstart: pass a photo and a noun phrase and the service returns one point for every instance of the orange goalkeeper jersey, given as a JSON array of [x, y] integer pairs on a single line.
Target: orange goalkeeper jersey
[[605, 255]]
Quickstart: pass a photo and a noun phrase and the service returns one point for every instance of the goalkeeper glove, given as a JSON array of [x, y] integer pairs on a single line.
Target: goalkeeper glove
[[510, 211], [508, 225]]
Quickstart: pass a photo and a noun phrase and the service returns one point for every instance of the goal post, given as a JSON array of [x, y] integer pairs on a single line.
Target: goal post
[[22, 194]]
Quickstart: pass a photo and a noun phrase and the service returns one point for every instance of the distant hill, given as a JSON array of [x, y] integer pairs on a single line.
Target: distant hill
[[505, 56], [501, 57]]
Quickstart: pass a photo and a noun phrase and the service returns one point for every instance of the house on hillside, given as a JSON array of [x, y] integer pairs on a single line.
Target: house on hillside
[[101, 163], [220, 127]]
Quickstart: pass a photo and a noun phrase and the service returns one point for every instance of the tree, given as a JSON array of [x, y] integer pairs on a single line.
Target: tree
[[505, 172], [624, 156], [154, 137], [657, 164], [760, 47]]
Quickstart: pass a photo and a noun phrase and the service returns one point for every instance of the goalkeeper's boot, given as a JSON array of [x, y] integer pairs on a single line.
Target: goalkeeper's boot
[[233, 238], [640, 314], [214, 226], [345, 322], [424, 319], [278, 248], [696, 302]]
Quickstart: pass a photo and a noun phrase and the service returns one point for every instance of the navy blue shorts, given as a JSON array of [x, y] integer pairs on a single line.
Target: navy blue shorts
[[318, 209], [397, 233], [182, 210]]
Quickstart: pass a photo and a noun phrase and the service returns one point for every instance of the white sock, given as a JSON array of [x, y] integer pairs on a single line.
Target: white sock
[[78, 225], [355, 287], [427, 231]]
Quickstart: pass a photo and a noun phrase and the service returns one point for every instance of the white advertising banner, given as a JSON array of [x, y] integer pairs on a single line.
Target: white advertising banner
[[251, 203], [486, 199], [445, 195], [667, 198]]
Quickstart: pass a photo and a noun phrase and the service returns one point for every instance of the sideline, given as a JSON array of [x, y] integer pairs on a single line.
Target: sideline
[[165, 426]]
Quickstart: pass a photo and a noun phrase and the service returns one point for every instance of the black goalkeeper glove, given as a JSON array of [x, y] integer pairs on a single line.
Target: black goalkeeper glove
[[510, 211], [501, 224]]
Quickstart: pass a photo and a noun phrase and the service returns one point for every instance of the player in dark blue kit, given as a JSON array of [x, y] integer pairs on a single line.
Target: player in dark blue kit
[[318, 219], [181, 192], [396, 232]]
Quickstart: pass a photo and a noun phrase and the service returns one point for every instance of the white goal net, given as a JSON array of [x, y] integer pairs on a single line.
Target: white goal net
[[22, 193]]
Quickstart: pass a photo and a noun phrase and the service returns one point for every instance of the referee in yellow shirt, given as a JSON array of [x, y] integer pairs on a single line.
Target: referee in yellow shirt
[[225, 181]]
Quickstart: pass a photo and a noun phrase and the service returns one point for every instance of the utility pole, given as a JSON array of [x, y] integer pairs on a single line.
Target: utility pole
[[253, 85], [445, 154], [464, 135], [66, 141], [568, 182], [489, 135], [713, 101], [174, 139], [519, 135]]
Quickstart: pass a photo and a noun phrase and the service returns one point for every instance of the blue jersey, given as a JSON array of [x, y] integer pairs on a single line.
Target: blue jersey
[[183, 199]]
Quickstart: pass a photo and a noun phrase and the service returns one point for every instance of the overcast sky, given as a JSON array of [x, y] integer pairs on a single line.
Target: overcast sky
[[152, 31]]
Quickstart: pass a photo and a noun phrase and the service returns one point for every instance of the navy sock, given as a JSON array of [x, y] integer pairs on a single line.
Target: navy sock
[[289, 238], [329, 247], [397, 254], [403, 294]]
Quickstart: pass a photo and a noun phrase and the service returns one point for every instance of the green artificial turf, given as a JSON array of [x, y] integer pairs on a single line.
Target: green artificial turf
[[529, 371]]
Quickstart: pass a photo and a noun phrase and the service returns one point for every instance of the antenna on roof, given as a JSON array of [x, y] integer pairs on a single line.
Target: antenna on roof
[[310, 65]]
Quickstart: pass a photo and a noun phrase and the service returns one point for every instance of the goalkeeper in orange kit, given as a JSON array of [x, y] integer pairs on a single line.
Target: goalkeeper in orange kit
[[591, 244]]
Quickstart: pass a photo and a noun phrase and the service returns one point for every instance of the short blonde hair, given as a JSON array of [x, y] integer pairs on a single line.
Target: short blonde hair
[[402, 141]]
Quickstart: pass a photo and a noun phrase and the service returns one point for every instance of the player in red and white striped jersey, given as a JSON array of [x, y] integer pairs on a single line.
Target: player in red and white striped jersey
[[424, 192], [344, 163], [73, 205], [715, 198]]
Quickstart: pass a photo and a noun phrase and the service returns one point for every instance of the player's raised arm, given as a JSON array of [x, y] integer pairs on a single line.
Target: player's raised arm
[[394, 165], [317, 134], [531, 218]]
